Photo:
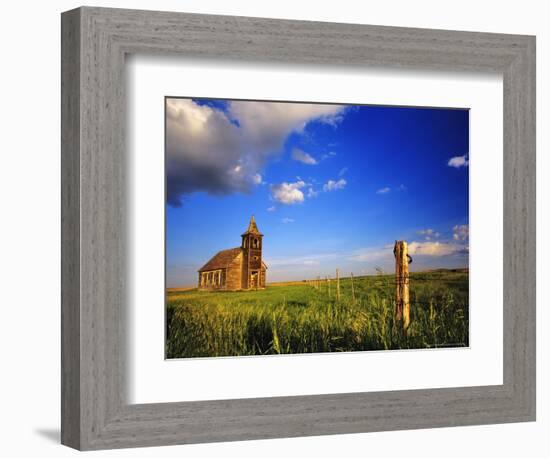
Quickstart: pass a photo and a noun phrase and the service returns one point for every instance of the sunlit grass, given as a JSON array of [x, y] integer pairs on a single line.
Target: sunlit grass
[[302, 319]]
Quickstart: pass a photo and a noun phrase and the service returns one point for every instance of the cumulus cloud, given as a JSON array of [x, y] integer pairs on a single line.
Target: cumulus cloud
[[332, 185], [303, 157], [271, 209], [287, 220], [222, 151], [458, 161], [383, 190], [342, 171], [288, 193], [461, 232]]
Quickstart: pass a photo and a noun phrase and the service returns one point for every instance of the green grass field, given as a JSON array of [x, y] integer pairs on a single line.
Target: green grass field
[[298, 318]]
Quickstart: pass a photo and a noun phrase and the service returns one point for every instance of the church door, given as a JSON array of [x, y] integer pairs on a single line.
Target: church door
[[254, 280]]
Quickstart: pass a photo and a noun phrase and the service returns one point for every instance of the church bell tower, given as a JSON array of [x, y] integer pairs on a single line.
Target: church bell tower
[[252, 256]]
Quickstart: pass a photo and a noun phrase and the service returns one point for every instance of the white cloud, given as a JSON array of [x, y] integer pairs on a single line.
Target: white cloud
[[267, 124], [428, 234], [271, 209], [461, 232], [288, 193], [312, 193], [425, 232], [384, 253], [342, 172], [303, 157], [383, 190], [309, 260], [458, 161], [257, 179], [332, 185], [436, 248], [328, 155], [287, 220], [222, 151]]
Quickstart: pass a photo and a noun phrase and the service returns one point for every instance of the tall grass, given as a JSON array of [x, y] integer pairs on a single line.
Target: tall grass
[[302, 319]]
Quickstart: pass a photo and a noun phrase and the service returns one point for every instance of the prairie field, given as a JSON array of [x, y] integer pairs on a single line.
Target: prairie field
[[300, 318]]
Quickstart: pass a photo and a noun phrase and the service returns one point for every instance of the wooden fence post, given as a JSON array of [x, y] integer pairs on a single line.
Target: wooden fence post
[[402, 305], [328, 287], [337, 284], [352, 290]]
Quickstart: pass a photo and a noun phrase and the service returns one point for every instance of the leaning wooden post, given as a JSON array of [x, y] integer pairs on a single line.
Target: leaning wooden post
[[352, 290], [337, 284], [402, 305]]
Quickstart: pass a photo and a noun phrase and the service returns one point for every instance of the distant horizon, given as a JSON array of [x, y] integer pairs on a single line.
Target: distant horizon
[[331, 186], [342, 277]]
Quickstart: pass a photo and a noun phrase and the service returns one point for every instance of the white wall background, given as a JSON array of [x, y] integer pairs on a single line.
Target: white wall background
[[30, 245]]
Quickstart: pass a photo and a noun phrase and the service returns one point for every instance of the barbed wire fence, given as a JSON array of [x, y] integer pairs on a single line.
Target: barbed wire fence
[[338, 286]]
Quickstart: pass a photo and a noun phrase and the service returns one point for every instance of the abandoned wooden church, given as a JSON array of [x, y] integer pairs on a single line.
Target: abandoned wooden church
[[238, 268]]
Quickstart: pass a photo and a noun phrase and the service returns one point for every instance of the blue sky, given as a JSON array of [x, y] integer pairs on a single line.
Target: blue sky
[[330, 186]]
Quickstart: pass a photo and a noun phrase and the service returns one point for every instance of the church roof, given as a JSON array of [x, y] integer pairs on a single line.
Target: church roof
[[252, 227], [221, 259]]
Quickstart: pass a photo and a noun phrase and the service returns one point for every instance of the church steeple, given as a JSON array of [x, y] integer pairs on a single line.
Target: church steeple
[[252, 227], [252, 276]]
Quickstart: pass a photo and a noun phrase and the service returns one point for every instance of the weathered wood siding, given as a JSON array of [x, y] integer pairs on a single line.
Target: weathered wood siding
[[234, 274], [214, 280], [262, 278]]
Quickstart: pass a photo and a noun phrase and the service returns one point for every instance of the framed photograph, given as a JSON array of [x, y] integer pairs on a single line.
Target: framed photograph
[[304, 190], [335, 220]]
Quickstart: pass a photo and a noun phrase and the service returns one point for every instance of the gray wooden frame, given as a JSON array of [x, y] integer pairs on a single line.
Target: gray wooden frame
[[95, 413]]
